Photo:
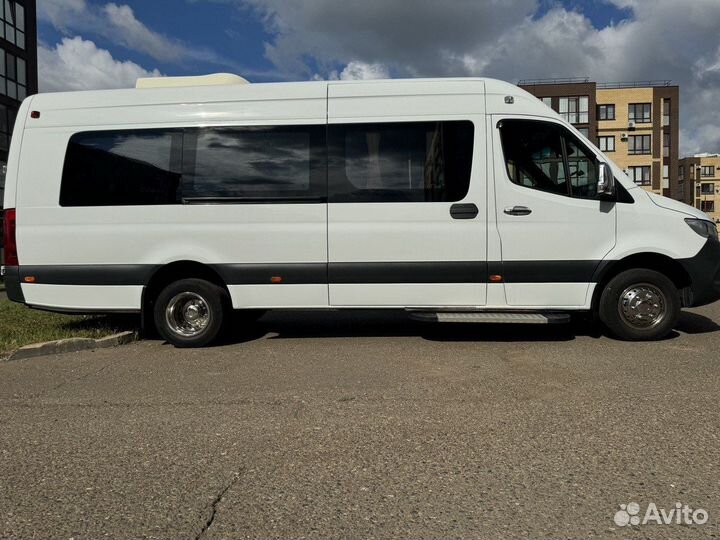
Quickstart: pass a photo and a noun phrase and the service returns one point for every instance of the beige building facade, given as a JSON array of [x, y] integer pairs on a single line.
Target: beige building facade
[[635, 123], [638, 126], [699, 183]]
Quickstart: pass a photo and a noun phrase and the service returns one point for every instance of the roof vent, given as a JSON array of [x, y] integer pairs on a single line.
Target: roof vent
[[216, 79]]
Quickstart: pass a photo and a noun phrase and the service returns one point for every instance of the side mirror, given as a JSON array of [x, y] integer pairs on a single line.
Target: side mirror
[[606, 180]]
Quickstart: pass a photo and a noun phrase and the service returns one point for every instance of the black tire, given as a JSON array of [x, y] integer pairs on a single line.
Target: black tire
[[640, 305], [198, 314]]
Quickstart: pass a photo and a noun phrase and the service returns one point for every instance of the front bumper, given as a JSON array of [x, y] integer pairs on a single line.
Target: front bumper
[[704, 272], [11, 276]]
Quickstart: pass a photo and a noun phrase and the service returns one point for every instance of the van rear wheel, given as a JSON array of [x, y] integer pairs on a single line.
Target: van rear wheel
[[190, 312], [640, 305]]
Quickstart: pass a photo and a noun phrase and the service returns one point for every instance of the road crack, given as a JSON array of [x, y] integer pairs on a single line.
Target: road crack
[[216, 502]]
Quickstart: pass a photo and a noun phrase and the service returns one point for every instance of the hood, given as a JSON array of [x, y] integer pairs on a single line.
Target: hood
[[677, 206]]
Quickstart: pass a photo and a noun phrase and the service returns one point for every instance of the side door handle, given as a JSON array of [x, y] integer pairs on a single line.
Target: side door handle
[[464, 211], [517, 211]]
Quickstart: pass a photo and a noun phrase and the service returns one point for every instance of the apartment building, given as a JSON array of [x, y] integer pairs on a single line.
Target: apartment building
[[573, 98], [699, 183], [635, 123]]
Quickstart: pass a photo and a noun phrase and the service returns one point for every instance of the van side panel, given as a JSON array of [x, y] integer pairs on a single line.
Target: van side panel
[[111, 250], [83, 298], [427, 257], [550, 253], [276, 103], [13, 163]]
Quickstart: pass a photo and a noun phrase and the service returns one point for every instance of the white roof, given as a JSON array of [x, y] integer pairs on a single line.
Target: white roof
[[218, 89]]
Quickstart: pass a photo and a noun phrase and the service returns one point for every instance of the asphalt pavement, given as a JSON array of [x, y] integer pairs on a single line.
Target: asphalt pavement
[[366, 425]]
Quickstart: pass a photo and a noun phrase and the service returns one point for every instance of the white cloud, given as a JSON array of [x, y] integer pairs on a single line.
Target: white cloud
[[61, 12], [356, 71], [508, 39], [119, 24], [78, 64], [133, 34], [361, 70], [407, 37]]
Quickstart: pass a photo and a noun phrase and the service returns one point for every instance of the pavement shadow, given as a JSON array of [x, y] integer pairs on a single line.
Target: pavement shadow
[[384, 323], [298, 324], [694, 323]]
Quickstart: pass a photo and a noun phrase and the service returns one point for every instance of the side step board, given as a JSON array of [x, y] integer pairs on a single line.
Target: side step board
[[489, 317]]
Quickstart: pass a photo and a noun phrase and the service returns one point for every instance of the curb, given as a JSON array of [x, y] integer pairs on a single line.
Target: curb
[[73, 345]]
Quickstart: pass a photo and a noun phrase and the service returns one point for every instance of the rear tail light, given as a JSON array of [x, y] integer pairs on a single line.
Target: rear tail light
[[9, 238]]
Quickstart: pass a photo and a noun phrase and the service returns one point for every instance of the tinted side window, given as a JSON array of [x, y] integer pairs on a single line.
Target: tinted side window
[[545, 156], [583, 169], [534, 155], [255, 164], [400, 162], [122, 168]]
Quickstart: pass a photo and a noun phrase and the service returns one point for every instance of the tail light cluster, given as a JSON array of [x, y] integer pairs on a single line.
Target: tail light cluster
[[10, 238]]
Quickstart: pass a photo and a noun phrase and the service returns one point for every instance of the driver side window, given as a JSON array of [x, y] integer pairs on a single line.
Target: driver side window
[[547, 157]]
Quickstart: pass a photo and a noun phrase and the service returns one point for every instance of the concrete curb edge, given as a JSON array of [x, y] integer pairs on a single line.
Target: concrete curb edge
[[73, 345]]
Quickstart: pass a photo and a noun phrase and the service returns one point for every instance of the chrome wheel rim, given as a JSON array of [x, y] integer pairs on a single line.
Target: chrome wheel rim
[[642, 306], [188, 314]]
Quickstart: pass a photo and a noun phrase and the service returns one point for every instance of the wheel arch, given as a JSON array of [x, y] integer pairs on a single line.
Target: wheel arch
[[647, 260], [174, 271]]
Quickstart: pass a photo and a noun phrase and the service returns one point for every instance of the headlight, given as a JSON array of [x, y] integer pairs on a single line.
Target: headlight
[[706, 229]]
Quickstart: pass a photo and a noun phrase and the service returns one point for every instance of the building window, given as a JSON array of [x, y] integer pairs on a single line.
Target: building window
[[547, 101], [681, 191], [7, 119], [574, 109], [606, 112], [12, 22], [681, 173], [666, 144], [707, 189], [639, 144], [607, 144], [584, 131], [640, 113], [640, 175], [708, 171], [13, 76], [707, 206], [666, 112], [666, 171]]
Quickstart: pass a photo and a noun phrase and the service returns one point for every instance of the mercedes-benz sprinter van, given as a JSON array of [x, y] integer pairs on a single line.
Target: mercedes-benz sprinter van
[[454, 199]]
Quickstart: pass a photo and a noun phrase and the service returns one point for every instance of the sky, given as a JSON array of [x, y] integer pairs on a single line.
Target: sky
[[93, 44]]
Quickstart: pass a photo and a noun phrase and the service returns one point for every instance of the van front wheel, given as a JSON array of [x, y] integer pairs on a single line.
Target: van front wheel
[[190, 312], [640, 305]]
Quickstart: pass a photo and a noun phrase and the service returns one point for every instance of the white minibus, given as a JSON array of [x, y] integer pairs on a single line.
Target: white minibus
[[458, 200]]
